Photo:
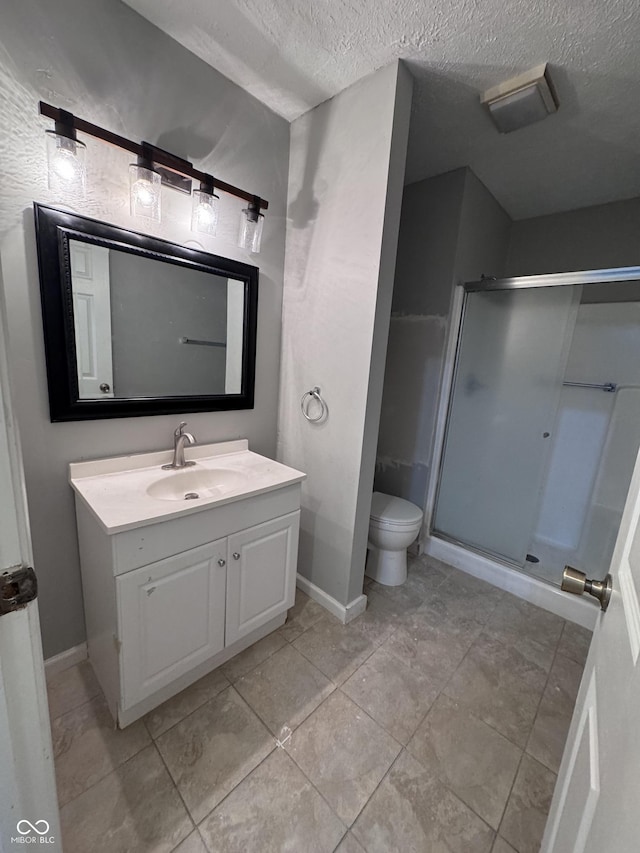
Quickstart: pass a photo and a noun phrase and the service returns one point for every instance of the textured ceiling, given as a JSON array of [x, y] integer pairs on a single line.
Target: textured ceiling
[[293, 54]]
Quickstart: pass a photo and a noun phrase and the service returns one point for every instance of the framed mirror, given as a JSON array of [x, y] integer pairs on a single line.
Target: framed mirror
[[135, 325]]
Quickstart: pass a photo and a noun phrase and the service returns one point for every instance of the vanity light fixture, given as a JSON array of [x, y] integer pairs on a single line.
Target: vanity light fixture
[[144, 186], [154, 168], [251, 221], [204, 212], [66, 157]]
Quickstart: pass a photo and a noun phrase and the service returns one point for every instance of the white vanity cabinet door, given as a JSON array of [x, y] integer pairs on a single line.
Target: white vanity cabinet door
[[261, 574], [171, 618]]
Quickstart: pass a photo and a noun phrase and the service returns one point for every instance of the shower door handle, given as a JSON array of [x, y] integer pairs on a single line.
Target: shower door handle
[[575, 581]]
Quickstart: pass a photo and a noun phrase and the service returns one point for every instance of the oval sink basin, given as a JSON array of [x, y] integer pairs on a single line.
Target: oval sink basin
[[193, 484]]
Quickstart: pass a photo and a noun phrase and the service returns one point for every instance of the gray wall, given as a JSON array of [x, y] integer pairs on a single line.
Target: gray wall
[[452, 230], [102, 61], [345, 185], [429, 226], [598, 237], [153, 305]]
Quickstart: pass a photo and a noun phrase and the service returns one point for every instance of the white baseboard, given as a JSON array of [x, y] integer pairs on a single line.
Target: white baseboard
[[344, 614], [531, 589], [66, 659]]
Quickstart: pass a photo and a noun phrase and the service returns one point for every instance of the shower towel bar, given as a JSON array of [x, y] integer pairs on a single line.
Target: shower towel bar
[[202, 343], [606, 386]]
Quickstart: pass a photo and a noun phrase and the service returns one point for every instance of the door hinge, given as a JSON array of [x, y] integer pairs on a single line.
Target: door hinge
[[17, 588]]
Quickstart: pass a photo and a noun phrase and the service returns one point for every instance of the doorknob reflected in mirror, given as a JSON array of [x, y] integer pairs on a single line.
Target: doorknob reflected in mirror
[[575, 581]]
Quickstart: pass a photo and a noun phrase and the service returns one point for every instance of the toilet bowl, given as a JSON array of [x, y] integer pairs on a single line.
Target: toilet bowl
[[393, 525]]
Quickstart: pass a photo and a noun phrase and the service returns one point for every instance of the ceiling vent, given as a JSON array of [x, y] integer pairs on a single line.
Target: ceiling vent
[[522, 100]]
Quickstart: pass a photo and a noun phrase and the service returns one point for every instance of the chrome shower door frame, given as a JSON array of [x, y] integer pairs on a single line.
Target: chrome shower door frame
[[450, 371]]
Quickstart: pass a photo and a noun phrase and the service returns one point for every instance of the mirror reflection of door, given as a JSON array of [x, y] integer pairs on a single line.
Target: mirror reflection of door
[[144, 327], [235, 333], [92, 319]]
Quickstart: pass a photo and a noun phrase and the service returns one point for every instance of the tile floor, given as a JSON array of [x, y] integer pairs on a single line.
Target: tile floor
[[433, 722]]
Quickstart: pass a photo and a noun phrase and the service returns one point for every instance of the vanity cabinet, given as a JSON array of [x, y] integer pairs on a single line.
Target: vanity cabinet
[[261, 574], [171, 616], [180, 612], [173, 589]]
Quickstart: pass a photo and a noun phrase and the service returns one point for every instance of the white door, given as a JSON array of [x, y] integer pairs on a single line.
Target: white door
[[92, 319], [261, 578], [171, 617], [596, 804], [28, 801]]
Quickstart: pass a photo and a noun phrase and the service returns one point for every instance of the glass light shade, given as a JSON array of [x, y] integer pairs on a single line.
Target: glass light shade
[[204, 213], [66, 164], [144, 192], [250, 233]]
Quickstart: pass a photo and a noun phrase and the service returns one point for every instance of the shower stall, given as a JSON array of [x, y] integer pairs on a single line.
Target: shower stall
[[542, 422]]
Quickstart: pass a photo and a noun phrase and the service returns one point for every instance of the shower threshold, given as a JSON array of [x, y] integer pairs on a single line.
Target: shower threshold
[[513, 579]]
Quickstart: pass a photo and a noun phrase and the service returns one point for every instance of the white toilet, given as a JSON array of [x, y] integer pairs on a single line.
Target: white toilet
[[393, 525]]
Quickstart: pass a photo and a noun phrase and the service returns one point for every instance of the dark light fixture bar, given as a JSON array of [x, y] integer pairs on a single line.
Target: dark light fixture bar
[[161, 158]]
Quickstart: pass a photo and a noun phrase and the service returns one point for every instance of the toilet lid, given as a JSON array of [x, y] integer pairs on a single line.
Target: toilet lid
[[396, 510]]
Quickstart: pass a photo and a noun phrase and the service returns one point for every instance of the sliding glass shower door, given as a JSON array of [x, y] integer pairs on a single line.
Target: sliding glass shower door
[[511, 361]]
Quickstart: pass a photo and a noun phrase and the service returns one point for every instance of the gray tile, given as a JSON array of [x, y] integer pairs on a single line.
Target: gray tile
[[87, 746], [500, 686], [192, 844], [392, 611], [304, 613], [564, 681], [424, 574], [349, 845], [162, 718], [549, 733], [526, 813], [378, 622], [432, 643], [461, 599], [472, 584], [250, 658], [274, 810], [213, 749], [501, 846], [407, 596], [575, 642], [471, 758], [395, 695], [71, 688], [285, 689], [432, 565], [336, 649], [413, 811], [538, 653], [134, 808], [533, 631], [343, 753]]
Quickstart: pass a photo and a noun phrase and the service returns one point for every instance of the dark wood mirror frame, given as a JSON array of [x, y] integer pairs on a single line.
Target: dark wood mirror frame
[[54, 229]]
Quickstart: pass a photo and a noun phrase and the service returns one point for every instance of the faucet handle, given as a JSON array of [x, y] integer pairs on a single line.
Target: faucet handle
[[178, 431]]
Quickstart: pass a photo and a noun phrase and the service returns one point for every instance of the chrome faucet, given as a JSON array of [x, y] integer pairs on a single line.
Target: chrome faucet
[[180, 438]]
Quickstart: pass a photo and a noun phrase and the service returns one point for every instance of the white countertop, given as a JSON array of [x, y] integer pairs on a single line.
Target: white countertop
[[115, 489]]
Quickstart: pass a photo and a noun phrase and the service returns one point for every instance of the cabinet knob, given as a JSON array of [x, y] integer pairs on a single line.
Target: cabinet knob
[[236, 556], [222, 562]]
